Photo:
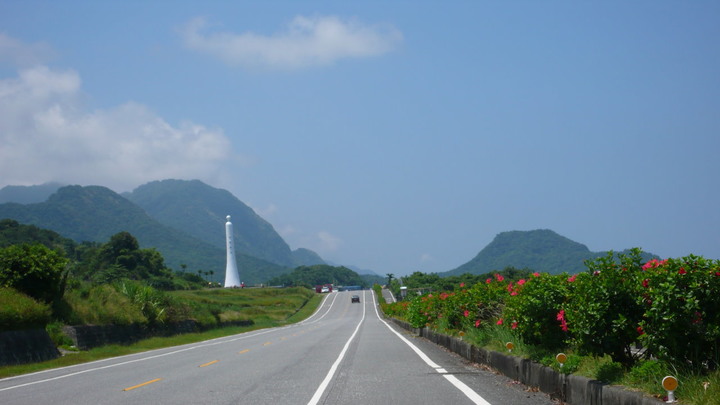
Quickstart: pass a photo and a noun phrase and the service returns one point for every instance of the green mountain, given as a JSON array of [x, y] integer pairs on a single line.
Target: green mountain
[[96, 213], [28, 194], [200, 210], [540, 250], [15, 233], [306, 257]]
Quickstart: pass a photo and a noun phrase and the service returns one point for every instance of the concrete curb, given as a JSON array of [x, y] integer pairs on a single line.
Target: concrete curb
[[569, 388]]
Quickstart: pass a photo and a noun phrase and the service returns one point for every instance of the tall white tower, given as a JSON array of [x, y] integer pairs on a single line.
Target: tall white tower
[[232, 277]]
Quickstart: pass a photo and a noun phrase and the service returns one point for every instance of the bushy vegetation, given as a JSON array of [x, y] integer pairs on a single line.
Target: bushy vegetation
[[419, 283], [19, 311], [309, 276], [34, 270], [670, 308], [111, 283]]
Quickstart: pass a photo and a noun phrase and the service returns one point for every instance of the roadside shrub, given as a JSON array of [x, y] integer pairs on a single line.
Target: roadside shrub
[[148, 300], [647, 372], [533, 309], [18, 311], [102, 305], [681, 322], [34, 270], [54, 330], [602, 311]]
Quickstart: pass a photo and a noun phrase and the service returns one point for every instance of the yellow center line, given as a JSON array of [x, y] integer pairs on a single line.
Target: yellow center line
[[244, 351], [267, 343], [209, 363], [143, 384]]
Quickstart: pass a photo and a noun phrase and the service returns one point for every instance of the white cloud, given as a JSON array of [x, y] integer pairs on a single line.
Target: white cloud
[[426, 257], [267, 211], [308, 41], [46, 135], [18, 53], [286, 231]]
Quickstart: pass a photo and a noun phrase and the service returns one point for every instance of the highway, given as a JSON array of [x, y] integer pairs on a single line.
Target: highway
[[343, 354]]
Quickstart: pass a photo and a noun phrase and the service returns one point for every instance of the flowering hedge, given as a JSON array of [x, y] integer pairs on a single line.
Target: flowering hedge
[[671, 306]]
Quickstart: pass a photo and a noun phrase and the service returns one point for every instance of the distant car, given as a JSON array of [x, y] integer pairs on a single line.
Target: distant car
[[355, 298], [325, 289]]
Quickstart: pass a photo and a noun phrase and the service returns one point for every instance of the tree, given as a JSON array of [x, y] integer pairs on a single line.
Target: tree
[[390, 276], [34, 270]]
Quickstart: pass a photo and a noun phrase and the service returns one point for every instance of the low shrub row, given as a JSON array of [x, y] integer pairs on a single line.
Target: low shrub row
[[670, 308]]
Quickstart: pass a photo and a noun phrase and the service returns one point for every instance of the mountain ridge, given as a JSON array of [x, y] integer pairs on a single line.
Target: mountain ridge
[[541, 250], [95, 213]]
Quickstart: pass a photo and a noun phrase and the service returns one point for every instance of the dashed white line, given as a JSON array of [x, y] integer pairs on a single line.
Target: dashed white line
[[469, 392]]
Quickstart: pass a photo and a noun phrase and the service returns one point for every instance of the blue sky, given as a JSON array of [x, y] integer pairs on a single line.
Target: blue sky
[[393, 136]]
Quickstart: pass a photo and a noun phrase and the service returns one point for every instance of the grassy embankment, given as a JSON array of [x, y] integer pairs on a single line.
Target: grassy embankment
[[266, 307]]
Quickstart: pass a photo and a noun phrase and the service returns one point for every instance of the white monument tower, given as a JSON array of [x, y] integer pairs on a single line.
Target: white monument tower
[[232, 278]]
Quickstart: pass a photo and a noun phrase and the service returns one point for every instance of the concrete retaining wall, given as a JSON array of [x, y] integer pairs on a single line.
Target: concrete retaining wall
[[569, 388], [88, 336], [26, 346]]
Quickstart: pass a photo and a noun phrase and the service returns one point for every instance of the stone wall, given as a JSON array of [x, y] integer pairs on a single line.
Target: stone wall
[[26, 346], [88, 336]]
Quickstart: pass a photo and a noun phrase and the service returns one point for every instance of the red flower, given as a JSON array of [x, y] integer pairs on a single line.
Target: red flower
[[513, 325], [682, 270], [499, 322], [499, 277], [510, 287], [488, 281], [466, 313], [697, 318], [462, 284], [646, 283], [477, 323], [654, 263], [572, 278], [521, 282], [563, 322], [640, 330], [536, 274]]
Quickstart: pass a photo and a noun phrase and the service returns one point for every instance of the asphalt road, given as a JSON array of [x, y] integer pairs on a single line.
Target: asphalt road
[[343, 354]]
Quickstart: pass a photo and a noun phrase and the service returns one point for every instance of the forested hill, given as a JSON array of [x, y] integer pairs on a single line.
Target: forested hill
[[187, 209], [96, 213], [540, 250], [200, 210]]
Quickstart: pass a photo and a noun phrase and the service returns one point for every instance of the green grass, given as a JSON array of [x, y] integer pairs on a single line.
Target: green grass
[[267, 308], [18, 311]]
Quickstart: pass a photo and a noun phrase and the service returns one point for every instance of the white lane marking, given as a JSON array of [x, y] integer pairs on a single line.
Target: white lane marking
[[324, 384], [469, 392], [316, 312], [212, 342]]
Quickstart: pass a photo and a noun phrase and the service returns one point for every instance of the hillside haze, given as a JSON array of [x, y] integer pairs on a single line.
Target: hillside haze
[[540, 250]]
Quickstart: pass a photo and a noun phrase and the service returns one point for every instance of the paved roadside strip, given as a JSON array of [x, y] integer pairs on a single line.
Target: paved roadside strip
[[571, 389]]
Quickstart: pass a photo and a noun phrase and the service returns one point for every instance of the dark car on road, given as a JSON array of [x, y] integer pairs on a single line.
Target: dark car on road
[[355, 298]]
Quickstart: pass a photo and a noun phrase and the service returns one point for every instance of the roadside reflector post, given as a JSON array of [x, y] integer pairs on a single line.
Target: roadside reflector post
[[561, 358], [509, 346], [670, 384]]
